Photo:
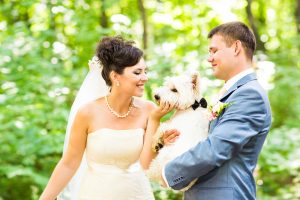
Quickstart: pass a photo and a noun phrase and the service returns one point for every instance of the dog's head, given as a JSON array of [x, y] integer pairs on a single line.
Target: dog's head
[[181, 91]]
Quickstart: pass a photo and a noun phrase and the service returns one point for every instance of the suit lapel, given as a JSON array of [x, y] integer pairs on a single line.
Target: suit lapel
[[242, 81]]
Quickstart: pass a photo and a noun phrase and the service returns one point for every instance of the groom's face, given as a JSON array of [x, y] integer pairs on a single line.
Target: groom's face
[[221, 57]]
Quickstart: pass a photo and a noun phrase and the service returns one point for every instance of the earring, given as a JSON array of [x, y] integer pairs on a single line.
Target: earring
[[118, 83]]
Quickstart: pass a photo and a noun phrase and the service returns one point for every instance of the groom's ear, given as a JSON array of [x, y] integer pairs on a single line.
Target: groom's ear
[[237, 47]]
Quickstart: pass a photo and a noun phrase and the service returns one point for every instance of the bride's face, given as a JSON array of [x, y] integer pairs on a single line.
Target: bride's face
[[133, 79]]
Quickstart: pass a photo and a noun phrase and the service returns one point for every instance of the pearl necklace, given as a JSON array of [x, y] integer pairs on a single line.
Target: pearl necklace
[[117, 114]]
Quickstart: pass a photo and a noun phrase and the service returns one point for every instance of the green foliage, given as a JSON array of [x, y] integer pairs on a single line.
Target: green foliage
[[163, 194], [280, 161], [33, 116], [43, 59], [286, 111]]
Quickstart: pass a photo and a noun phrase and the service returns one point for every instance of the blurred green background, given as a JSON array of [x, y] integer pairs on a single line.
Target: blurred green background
[[45, 46]]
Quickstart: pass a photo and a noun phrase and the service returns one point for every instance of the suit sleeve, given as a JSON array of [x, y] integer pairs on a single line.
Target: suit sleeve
[[239, 122]]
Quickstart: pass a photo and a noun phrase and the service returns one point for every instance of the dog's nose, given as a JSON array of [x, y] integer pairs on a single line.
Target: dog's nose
[[157, 97]]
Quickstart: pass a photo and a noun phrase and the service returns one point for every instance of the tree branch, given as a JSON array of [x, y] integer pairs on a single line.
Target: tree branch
[[144, 20], [103, 16], [298, 16], [260, 44]]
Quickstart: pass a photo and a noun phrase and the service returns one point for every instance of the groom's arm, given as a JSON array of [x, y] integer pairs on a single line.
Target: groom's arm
[[242, 120]]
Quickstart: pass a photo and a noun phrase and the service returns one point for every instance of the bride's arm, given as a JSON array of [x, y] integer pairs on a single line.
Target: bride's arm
[[71, 160], [147, 154], [156, 114]]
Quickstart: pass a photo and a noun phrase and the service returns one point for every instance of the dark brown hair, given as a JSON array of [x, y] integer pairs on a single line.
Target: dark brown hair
[[233, 31], [115, 54]]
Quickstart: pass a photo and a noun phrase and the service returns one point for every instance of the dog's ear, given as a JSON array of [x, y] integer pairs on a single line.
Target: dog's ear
[[195, 76], [195, 80]]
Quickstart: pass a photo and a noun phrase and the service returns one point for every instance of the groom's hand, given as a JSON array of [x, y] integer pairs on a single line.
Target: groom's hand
[[162, 182], [163, 179]]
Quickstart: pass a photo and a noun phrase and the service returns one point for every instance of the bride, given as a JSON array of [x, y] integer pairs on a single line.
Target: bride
[[110, 131]]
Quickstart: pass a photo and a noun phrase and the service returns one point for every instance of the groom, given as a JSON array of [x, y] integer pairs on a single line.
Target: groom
[[224, 162]]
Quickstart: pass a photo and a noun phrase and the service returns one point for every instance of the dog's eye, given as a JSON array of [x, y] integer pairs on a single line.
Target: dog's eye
[[174, 90]]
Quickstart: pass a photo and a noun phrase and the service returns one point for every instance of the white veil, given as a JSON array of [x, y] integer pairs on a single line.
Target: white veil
[[93, 87]]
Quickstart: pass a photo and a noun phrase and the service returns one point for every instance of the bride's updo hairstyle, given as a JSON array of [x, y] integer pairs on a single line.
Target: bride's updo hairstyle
[[115, 54]]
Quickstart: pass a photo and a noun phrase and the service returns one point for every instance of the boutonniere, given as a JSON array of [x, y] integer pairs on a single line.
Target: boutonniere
[[216, 110]]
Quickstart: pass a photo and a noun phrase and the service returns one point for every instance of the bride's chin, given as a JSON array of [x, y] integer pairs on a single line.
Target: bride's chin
[[138, 94]]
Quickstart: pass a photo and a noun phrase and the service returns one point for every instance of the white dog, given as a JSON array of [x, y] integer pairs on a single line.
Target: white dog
[[190, 119]]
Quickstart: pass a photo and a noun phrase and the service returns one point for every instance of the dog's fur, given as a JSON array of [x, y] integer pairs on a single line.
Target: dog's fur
[[181, 91]]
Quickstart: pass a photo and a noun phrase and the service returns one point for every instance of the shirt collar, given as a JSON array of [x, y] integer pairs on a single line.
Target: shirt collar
[[237, 77]]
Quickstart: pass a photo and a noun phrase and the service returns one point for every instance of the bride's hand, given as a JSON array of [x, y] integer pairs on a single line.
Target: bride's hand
[[170, 136], [160, 111]]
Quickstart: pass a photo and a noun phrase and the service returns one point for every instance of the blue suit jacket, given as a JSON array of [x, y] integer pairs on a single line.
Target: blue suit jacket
[[225, 161]]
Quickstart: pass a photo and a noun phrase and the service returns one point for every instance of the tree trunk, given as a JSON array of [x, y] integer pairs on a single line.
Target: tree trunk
[[259, 43], [144, 20], [298, 16], [52, 23], [103, 17]]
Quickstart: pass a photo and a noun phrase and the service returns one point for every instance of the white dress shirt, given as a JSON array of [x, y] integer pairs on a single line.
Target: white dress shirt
[[237, 77]]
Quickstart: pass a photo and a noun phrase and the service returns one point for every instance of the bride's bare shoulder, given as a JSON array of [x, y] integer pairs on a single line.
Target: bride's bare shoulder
[[92, 106]]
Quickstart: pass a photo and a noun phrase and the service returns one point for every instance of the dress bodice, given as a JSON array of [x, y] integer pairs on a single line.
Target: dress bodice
[[120, 148], [113, 169]]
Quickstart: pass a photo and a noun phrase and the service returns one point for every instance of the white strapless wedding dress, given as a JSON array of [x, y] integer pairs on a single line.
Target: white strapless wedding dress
[[113, 170]]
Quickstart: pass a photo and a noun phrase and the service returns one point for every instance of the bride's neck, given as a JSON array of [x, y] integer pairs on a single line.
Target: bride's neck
[[120, 103]]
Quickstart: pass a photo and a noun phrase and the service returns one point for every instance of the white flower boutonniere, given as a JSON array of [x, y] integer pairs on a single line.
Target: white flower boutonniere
[[216, 110]]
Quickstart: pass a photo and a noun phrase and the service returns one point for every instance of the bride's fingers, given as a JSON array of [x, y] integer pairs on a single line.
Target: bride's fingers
[[173, 140], [171, 133], [170, 136], [163, 107], [166, 107], [170, 141], [162, 110]]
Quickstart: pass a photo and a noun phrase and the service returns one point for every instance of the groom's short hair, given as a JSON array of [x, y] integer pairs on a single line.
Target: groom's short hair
[[233, 31]]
